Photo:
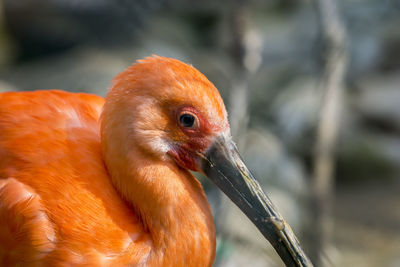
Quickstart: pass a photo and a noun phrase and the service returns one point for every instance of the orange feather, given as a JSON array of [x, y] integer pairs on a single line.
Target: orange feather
[[77, 190]]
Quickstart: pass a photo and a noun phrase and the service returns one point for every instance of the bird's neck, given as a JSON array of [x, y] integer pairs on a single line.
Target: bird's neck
[[172, 207]]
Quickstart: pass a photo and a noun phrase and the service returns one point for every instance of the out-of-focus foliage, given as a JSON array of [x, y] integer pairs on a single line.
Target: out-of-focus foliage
[[80, 45]]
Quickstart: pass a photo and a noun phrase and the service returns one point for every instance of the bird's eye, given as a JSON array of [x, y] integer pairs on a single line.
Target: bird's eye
[[187, 120]]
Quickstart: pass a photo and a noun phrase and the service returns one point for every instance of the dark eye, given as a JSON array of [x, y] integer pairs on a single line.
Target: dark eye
[[187, 120]]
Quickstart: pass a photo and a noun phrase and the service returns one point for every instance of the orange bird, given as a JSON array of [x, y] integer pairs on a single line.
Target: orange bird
[[91, 182]]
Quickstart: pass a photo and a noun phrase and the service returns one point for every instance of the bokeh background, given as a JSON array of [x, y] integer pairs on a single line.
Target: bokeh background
[[273, 61]]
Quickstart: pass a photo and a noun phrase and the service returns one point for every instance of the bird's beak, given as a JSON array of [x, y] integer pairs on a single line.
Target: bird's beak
[[223, 165]]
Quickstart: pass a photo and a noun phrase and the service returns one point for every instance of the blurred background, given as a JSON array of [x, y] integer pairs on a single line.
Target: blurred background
[[312, 88]]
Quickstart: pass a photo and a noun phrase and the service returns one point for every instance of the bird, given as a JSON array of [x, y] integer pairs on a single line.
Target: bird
[[92, 181]]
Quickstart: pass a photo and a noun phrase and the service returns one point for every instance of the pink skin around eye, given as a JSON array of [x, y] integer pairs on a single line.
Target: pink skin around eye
[[200, 138], [192, 111], [187, 114]]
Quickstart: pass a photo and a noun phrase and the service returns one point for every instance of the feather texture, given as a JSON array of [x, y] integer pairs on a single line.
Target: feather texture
[[77, 191]]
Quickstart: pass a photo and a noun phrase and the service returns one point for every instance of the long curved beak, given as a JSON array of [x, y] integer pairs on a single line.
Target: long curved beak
[[223, 165]]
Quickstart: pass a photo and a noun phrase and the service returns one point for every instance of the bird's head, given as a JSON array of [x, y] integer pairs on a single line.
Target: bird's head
[[170, 111]]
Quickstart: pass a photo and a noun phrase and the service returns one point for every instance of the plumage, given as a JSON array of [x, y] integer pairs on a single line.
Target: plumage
[[87, 181], [58, 204]]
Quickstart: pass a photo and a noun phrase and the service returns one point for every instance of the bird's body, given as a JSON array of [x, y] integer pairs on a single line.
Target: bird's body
[[87, 181], [57, 203]]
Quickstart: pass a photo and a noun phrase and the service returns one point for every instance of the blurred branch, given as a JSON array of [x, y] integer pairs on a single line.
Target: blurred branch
[[245, 50], [335, 42]]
